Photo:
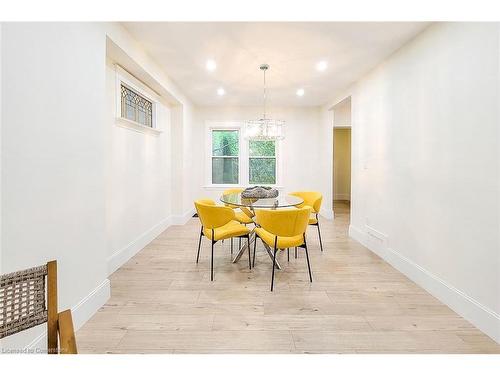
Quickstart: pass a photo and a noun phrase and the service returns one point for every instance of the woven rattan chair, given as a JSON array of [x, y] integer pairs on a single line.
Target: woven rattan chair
[[29, 298]]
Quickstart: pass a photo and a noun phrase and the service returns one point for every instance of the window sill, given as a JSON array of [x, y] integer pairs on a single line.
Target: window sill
[[132, 125], [224, 187]]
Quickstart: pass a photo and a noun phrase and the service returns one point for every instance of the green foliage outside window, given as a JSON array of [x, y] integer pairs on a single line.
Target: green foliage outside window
[[225, 152], [225, 159], [225, 143], [262, 148], [262, 162]]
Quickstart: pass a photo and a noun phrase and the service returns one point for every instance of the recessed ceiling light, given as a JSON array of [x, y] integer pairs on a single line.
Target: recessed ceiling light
[[300, 92], [221, 91], [321, 66], [211, 65]]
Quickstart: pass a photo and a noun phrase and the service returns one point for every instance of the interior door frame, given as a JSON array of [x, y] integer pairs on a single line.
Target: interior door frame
[[340, 126]]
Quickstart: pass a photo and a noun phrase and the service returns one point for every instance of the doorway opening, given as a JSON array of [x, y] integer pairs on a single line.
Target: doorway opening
[[341, 183]]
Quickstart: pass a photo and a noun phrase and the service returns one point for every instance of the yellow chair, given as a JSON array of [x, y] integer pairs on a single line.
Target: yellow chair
[[282, 229], [312, 199], [240, 216], [217, 223]]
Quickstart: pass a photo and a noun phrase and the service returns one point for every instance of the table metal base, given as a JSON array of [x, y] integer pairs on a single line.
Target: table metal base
[[253, 237]]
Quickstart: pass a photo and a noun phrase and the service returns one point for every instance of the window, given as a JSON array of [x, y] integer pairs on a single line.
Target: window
[[231, 160], [262, 162], [135, 107], [225, 156]]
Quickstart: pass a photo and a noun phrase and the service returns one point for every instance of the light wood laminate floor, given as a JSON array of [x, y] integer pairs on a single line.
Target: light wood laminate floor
[[163, 302]]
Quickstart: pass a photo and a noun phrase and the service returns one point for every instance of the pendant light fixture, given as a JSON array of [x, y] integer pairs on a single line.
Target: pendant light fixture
[[264, 129]]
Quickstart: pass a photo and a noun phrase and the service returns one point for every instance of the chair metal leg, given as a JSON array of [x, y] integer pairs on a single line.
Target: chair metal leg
[[274, 266], [254, 248], [249, 256], [199, 245], [212, 259], [288, 254], [295, 252], [212, 264], [319, 234], [307, 257], [274, 263], [231, 246]]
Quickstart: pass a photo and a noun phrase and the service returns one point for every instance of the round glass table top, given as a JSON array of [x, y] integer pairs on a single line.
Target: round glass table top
[[280, 201]]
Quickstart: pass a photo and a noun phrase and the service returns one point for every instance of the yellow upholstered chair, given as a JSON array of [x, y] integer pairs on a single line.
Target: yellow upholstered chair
[[312, 199], [217, 223], [239, 215], [282, 229]]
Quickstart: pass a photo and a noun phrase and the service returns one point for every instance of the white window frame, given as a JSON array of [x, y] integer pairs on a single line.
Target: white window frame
[[275, 157], [223, 126], [243, 158], [128, 80]]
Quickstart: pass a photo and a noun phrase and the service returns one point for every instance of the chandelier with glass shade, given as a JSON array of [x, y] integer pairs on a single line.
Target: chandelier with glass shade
[[264, 129]]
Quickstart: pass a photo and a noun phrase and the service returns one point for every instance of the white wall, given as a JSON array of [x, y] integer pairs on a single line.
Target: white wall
[[190, 163], [138, 178], [53, 131], [342, 113], [425, 165], [300, 153], [182, 122], [76, 187]]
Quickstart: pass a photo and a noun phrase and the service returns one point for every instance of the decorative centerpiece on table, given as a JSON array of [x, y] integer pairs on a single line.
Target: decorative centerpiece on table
[[259, 192]]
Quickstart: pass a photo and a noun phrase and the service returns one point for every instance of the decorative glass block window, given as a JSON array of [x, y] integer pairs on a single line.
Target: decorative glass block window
[[262, 162], [225, 156], [135, 107]]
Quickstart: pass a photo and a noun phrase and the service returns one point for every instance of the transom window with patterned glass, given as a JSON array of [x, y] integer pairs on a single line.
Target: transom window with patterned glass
[[135, 107], [262, 162], [225, 156]]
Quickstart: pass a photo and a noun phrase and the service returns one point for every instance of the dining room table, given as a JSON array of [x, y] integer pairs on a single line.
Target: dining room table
[[249, 205]]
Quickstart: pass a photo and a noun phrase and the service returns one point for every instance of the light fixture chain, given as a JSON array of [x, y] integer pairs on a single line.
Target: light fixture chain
[[264, 129], [265, 94]]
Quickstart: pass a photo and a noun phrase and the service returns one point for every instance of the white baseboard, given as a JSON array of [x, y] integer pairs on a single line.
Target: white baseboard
[[327, 213], [357, 234], [184, 218], [81, 312], [88, 306], [479, 315], [121, 256]]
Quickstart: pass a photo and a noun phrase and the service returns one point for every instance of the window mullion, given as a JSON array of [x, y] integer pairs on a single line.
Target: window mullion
[[243, 163]]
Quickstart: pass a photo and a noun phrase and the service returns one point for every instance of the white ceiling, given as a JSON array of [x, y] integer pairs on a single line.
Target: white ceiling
[[291, 49]]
